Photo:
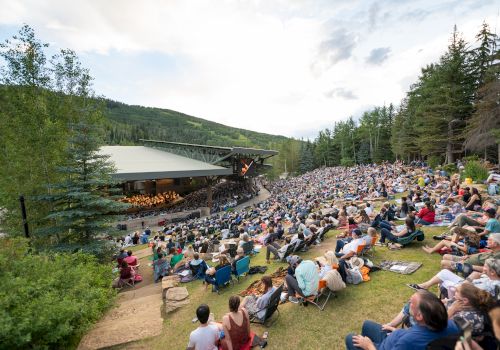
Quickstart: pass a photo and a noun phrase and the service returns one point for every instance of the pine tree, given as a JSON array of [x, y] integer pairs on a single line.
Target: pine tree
[[84, 203], [483, 129], [306, 158]]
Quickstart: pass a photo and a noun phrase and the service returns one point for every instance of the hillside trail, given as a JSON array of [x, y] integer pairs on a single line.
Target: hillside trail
[[136, 315]]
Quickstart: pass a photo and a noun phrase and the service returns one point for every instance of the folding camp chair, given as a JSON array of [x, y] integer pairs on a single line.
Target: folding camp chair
[[274, 301], [323, 290], [289, 251], [359, 251], [299, 246], [242, 267], [418, 235], [222, 277], [371, 248], [248, 248]]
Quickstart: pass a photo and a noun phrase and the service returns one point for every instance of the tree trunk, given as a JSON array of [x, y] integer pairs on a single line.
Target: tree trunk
[[449, 145]]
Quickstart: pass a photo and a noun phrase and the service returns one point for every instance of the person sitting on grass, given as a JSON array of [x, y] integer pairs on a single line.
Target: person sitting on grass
[[256, 306], [393, 236], [426, 215], [488, 281], [305, 282], [473, 239], [431, 322], [476, 261], [236, 326], [207, 335], [161, 267]]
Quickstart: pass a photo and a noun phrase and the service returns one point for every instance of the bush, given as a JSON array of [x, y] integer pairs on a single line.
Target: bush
[[475, 170], [450, 168], [470, 158], [49, 300], [434, 161], [347, 162]]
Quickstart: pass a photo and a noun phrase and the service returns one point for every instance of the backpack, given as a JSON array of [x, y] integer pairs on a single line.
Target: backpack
[[353, 274]]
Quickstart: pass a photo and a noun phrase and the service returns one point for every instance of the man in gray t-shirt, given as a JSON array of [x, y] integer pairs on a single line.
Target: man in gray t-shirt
[[256, 306]]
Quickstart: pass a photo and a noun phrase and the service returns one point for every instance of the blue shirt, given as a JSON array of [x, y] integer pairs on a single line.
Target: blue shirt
[[307, 277], [415, 338], [492, 225]]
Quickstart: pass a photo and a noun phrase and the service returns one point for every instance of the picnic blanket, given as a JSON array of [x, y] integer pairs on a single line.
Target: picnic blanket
[[257, 287], [403, 267]]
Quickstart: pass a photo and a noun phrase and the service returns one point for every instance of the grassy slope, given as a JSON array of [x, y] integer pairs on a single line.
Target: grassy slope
[[308, 328]]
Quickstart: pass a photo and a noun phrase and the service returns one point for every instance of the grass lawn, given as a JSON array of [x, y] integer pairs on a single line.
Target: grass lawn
[[306, 327]]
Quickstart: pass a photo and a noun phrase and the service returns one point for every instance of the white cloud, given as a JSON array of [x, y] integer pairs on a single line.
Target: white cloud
[[283, 67]]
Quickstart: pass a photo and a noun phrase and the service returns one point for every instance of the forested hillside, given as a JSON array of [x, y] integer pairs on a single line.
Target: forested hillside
[[127, 124]]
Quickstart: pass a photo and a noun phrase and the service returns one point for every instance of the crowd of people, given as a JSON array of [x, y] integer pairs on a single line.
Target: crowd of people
[[146, 201], [357, 201], [225, 195]]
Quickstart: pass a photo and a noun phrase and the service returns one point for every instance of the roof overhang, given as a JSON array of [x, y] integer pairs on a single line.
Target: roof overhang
[[135, 163]]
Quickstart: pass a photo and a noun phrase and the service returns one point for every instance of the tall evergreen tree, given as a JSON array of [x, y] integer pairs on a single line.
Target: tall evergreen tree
[[83, 204]]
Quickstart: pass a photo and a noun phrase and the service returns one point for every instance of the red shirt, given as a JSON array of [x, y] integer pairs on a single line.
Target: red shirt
[[131, 260], [427, 215]]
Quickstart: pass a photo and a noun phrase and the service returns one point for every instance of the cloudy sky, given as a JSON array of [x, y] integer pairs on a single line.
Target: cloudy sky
[[289, 67]]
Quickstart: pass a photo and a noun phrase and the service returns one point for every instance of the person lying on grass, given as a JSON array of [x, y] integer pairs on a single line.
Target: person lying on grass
[[473, 239], [489, 280], [474, 261]]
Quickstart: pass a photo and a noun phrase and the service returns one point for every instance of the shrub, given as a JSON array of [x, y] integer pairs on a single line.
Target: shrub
[[347, 162], [470, 158], [434, 161], [49, 300], [450, 168], [475, 170]]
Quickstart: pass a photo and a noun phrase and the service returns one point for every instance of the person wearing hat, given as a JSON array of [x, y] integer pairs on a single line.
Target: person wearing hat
[[306, 279]]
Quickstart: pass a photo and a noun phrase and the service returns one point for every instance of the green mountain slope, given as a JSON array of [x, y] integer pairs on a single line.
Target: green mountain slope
[[127, 124]]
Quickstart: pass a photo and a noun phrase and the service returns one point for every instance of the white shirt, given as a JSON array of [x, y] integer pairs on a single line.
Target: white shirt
[[352, 246], [204, 338], [127, 240], [369, 210]]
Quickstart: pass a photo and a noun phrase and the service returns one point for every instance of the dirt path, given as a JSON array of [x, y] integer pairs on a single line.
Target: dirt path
[[137, 313]]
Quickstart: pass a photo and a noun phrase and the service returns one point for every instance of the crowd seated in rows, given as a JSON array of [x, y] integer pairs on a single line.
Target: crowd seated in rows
[[151, 201]]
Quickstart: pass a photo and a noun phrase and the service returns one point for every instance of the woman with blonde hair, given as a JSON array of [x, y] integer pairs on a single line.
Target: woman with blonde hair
[[210, 274]]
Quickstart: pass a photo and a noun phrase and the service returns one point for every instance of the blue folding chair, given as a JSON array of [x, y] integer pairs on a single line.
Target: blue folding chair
[[242, 267], [222, 277]]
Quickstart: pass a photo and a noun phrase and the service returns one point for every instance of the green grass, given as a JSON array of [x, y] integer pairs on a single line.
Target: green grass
[[308, 328]]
